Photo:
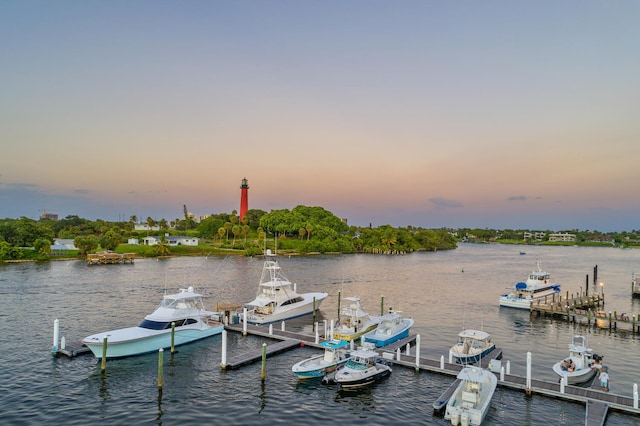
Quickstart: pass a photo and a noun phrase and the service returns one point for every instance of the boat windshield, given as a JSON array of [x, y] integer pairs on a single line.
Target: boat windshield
[[181, 303], [163, 325]]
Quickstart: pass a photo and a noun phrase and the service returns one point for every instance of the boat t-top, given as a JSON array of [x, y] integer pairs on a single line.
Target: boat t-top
[[277, 299], [354, 321], [523, 294], [472, 346]]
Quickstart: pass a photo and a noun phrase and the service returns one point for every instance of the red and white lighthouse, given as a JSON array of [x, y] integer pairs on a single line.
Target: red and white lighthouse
[[244, 198]]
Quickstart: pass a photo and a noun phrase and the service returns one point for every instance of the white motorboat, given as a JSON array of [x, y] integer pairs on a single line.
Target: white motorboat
[[184, 310], [354, 321], [392, 327], [336, 354], [471, 400], [537, 286], [472, 346], [577, 366], [363, 368], [277, 298]]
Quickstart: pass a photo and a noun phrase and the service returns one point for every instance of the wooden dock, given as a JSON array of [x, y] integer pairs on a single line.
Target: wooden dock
[[597, 403], [587, 310], [73, 351], [251, 357], [109, 258]]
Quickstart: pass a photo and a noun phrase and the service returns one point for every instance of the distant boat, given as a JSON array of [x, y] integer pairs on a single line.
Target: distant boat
[[184, 309], [635, 285], [277, 299], [523, 252], [523, 294]]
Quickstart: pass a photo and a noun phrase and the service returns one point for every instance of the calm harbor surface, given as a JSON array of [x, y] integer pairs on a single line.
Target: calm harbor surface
[[443, 291]]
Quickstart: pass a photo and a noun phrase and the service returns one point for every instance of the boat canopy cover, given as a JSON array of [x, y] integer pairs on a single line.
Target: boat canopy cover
[[259, 302], [334, 344], [521, 286], [474, 334]]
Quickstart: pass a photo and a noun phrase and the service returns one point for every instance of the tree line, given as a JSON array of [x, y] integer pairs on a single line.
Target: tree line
[[302, 229]]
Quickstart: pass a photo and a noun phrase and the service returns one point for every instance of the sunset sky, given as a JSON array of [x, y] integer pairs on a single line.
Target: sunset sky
[[489, 114]]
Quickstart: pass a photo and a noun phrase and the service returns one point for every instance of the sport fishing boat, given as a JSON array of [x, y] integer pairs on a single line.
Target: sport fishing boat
[[577, 367], [363, 368], [472, 346], [354, 321], [471, 400], [336, 354], [277, 299], [523, 294], [183, 313], [392, 328]]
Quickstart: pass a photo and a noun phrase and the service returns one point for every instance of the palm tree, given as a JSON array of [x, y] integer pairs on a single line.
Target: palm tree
[[309, 228], [301, 232], [245, 231], [221, 232], [162, 249], [228, 226], [236, 231]]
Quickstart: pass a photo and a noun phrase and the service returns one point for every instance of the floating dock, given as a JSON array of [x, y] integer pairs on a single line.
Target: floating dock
[[597, 402]]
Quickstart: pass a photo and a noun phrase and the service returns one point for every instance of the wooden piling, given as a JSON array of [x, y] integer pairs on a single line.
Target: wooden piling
[[173, 337], [103, 364], [160, 363]]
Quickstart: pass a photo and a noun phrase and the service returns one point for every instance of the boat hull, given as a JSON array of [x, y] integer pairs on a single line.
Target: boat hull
[[144, 343], [296, 310], [381, 340], [576, 377], [470, 359], [348, 335], [362, 381], [314, 367]]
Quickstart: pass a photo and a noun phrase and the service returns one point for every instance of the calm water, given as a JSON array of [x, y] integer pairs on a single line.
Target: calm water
[[443, 291]]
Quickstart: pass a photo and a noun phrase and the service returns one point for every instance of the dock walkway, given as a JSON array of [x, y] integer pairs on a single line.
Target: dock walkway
[[597, 402]]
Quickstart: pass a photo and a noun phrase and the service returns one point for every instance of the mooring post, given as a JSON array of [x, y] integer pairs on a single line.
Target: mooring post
[[173, 338], [317, 334], [502, 373], [382, 305], [103, 364], [263, 373], [398, 354], [244, 321], [339, 301], [160, 359], [441, 362], [563, 379], [450, 358], [282, 327], [331, 331], [270, 329], [324, 329], [528, 385], [508, 367], [408, 349], [417, 352], [315, 324], [635, 396], [56, 336], [223, 362]]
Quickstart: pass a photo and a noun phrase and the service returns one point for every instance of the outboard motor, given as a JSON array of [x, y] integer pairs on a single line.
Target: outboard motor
[[464, 419]]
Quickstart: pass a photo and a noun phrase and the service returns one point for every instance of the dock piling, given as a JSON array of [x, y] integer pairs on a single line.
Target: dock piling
[[635, 396], [442, 362], [263, 373], [315, 324], [528, 381], [408, 349], [160, 363], [508, 367], [282, 327], [418, 352], [398, 355], [223, 362], [56, 336], [244, 321], [173, 337], [270, 329], [103, 364], [502, 373]]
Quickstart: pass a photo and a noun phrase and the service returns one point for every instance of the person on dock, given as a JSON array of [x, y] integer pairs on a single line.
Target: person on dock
[[597, 365], [604, 379]]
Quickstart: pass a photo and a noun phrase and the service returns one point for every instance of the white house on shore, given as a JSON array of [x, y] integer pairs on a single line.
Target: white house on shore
[[172, 240]]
